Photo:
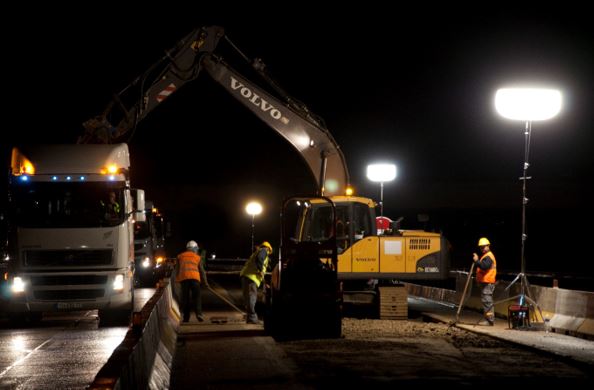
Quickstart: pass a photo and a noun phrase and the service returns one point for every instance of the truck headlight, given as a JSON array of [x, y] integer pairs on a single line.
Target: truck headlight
[[18, 285], [118, 282], [146, 262]]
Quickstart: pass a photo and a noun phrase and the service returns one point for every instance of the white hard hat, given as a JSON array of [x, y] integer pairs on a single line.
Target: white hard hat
[[192, 245]]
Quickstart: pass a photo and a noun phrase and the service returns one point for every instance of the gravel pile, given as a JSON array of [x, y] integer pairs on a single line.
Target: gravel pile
[[362, 329]]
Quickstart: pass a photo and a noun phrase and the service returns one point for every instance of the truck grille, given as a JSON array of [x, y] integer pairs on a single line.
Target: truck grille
[[67, 280], [64, 295], [68, 258]]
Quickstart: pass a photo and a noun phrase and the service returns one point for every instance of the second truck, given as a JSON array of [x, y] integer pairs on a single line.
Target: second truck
[[149, 247]]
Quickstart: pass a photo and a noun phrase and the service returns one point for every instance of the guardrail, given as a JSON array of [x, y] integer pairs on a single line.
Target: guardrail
[[224, 265], [565, 311], [144, 357]]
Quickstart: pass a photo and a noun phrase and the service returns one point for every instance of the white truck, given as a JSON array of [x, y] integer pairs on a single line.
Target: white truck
[[70, 236]]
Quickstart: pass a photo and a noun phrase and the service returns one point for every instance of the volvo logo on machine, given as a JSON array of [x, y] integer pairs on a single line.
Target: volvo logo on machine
[[257, 100]]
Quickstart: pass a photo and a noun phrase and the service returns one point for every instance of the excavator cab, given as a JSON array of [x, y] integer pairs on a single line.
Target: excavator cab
[[305, 298]]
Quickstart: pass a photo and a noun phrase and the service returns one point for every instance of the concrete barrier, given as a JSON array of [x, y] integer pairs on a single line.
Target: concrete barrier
[[565, 311], [143, 359]]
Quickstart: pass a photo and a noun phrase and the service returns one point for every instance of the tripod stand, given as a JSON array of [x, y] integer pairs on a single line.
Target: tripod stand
[[524, 295]]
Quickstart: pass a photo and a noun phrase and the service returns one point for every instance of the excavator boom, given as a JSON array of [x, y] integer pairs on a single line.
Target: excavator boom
[[288, 117], [315, 144]]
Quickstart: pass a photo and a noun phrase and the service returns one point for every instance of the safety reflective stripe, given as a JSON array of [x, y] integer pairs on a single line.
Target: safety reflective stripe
[[188, 266], [489, 275], [116, 206]]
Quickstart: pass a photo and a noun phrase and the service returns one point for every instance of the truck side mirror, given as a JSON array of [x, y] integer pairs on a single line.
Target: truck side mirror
[[138, 204]]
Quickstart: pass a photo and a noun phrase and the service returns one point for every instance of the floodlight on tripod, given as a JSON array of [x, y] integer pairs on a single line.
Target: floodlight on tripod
[[527, 105]]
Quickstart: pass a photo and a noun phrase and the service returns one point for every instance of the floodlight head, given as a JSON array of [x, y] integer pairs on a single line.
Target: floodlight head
[[528, 104], [381, 172], [253, 208]]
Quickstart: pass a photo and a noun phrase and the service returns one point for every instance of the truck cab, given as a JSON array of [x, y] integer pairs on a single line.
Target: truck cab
[[70, 238]]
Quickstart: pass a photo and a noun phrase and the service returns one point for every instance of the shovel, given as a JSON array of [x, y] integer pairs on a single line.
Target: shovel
[[225, 300], [463, 298]]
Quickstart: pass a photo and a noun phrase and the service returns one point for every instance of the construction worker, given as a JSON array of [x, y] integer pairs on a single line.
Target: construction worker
[[190, 274], [111, 208], [252, 275], [486, 271]]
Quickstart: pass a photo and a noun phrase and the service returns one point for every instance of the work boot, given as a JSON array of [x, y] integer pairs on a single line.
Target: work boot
[[200, 317], [252, 320], [486, 322]]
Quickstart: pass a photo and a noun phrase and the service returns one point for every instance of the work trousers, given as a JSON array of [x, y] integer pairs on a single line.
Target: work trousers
[[250, 297], [190, 298], [487, 290]]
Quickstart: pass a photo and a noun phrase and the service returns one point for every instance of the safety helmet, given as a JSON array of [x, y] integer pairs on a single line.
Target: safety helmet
[[483, 241], [192, 245], [266, 244]]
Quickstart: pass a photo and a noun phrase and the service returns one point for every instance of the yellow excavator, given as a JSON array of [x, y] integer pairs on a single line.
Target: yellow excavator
[[334, 228]]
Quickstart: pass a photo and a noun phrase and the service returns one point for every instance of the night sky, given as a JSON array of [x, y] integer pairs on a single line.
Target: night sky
[[413, 87]]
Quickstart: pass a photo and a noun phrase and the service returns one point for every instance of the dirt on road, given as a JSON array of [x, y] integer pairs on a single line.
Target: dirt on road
[[384, 353]]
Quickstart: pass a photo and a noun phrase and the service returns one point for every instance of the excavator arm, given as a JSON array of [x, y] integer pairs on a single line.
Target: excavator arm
[[177, 67], [314, 142], [196, 51]]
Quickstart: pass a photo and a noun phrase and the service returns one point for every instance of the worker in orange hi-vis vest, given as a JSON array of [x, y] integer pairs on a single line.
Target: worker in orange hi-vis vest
[[191, 274], [486, 272]]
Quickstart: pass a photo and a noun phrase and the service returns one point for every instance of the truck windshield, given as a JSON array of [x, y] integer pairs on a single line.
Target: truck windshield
[[67, 205]]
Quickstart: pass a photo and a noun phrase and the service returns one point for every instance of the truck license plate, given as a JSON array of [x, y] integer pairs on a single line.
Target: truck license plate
[[69, 305]]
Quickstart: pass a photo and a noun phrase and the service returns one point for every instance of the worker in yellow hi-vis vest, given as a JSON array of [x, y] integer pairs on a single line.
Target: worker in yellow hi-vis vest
[[111, 208], [252, 276]]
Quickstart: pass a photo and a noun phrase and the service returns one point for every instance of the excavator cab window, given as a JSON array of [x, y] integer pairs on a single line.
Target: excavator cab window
[[319, 223], [362, 221], [343, 228], [309, 230]]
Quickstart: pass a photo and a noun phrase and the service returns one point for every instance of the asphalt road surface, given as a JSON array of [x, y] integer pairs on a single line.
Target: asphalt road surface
[[63, 351], [372, 353]]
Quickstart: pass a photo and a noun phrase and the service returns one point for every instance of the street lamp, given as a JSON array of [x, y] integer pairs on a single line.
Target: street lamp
[[381, 173], [253, 209], [528, 105]]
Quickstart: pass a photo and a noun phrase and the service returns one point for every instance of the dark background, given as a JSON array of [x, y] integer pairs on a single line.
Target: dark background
[[411, 86]]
